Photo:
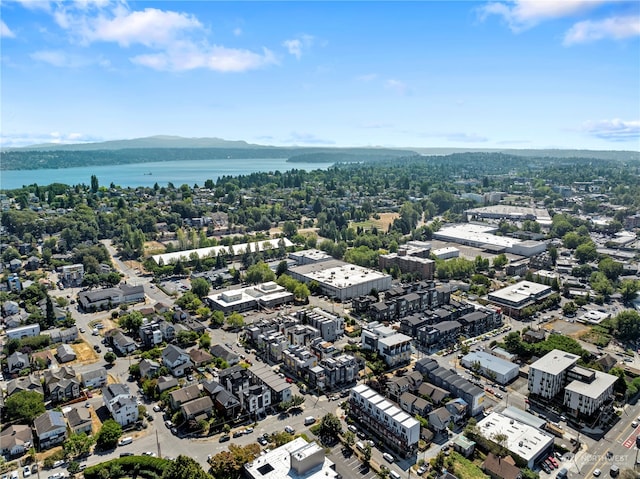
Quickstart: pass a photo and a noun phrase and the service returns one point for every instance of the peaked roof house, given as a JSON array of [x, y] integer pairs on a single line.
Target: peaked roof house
[[50, 428], [15, 440], [17, 361], [225, 403], [166, 382], [61, 384], [223, 352], [65, 353], [94, 378], [120, 403], [122, 343], [79, 419], [181, 396], [149, 368], [176, 359], [501, 467], [439, 419], [203, 406], [28, 383], [200, 357]]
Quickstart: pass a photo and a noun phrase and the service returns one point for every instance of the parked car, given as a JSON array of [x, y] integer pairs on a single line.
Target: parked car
[[388, 457], [224, 438], [289, 430], [157, 408]]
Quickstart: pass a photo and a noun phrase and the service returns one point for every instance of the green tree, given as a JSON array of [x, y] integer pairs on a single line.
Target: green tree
[[611, 269], [24, 406], [77, 444], [200, 287], [586, 252], [205, 341], [629, 290], [185, 467], [500, 261], [259, 273], [217, 319], [109, 434], [569, 309], [110, 357], [235, 320], [131, 322]]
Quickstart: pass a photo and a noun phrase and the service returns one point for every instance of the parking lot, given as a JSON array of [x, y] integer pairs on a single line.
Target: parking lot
[[349, 465]]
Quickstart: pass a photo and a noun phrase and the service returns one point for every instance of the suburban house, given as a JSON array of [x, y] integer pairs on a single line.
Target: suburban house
[[176, 359], [17, 361], [223, 352], [28, 383], [439, 419], [66, 335], [199, 357], [256, 399], [181, 396], [413, 404], [15, 440], [165, 383], [149, 368], [61, 384], [50, 428], [225, 403], [65, 353], [203, 406], [123, 344], [501, 467], [120, 403], [79, 419], [94, 378]]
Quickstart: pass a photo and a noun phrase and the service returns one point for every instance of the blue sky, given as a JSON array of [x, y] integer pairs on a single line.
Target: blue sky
[[524, 74]]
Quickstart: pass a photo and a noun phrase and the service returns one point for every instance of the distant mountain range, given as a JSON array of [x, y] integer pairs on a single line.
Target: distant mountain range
[[158, 141]]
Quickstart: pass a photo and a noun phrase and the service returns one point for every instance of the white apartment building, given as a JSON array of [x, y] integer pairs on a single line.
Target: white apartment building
[[586, 394], [395, 427], [547, 376], [393, 347]]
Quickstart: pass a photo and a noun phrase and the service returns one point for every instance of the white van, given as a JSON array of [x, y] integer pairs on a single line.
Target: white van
[[360, 445], [125, 440], [394, 475], [309, 420]]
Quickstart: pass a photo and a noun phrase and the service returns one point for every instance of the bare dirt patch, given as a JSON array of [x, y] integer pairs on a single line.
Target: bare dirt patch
[[574, 330], [383, 221], [84, 353], [96, 423]]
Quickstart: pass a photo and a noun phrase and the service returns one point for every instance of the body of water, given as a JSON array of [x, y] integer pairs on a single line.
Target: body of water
[[189, 172]]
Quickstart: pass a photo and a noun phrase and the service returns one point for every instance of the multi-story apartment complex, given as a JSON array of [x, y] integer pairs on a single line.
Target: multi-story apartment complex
[[586, 391], [393, 426], [330, 326], [394, 348]]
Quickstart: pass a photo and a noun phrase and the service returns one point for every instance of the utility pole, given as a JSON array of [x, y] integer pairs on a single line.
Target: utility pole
[[157, 443]]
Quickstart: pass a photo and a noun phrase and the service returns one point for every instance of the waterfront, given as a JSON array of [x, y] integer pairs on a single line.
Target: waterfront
[[190, 172]]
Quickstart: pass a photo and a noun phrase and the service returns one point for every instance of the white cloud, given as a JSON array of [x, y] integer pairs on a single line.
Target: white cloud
[[614, 27], [523, 14], [176, 41], [456, 136], [150, 27], [217, 58], [16, 140], [63, 59], [5, 31], [367, 77], [397, 86], [307, 138], [297, 46], [613, 130], [237, 31]]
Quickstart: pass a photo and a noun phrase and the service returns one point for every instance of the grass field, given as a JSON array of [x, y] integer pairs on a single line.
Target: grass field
[[153, 247], [382, 223]]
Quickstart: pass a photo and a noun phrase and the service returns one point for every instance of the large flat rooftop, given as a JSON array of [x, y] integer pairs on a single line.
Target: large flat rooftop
[[555, 362]]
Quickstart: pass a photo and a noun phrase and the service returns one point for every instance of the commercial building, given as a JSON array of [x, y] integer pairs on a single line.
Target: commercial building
[[525, 441], [110, 297], [341, 280], [514, 298], [265, 295], [509, 212], [394, 427], [297, 459], [233, 251], [309, 256], [490, 366], [481, 236]]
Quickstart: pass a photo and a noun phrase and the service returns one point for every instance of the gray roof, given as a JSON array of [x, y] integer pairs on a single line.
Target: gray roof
[[490, 362], [98, 372], [112, 391], [49, 421], [78, 416], [197, 406], [172, 353]]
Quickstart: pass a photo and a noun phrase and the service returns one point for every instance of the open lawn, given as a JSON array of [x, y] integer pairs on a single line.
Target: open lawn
[[463, 468], [385, 219], [596, 335]]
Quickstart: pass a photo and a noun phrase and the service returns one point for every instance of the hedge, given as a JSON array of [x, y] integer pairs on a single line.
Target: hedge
[[144, 464]]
